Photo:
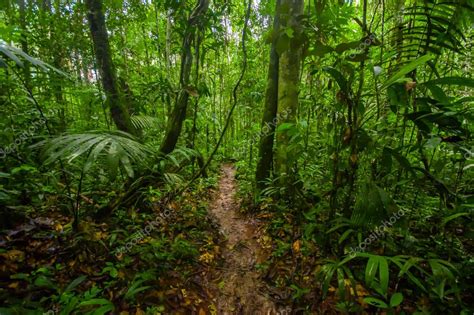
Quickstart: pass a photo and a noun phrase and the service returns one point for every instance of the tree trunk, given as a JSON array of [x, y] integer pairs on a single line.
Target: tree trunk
[[100, 39], [265, 150], [24, 42], [178, 114], [288, 81]]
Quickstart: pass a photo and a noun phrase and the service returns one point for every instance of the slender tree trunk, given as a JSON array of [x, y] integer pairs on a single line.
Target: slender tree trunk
[[107, 70], [178, 114], [58, 63], [24, 41], [288, 81], [265, 150]]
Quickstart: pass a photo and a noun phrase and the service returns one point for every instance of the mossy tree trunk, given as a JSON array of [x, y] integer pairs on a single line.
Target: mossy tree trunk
[[265, 150], [288, 85], [100, 39], [178, 114]]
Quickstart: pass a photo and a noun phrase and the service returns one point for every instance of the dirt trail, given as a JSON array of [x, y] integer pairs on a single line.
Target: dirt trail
[[240, 289]]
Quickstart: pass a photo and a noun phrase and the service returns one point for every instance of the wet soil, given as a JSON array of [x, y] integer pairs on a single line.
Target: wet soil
[[238, 284]]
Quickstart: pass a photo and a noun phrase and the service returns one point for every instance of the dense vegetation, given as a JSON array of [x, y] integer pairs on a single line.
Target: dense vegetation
[[349, 124]]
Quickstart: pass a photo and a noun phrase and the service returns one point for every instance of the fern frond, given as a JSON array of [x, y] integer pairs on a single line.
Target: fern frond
[[431, 26]]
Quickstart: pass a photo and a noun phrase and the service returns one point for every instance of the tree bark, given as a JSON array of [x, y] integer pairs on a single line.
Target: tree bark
[[265, 150], [175, 122], [288, 82], [115, 101], [24, 41]]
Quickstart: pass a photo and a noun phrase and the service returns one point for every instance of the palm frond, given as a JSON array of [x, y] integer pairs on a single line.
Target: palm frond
[[373, 205], [144, 122], [17, 55], [114, 149]]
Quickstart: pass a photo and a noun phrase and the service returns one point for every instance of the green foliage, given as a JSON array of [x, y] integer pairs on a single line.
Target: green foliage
[[383, 126], [113, 150]]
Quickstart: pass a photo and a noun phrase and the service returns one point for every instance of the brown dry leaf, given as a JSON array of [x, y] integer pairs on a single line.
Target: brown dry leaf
[[297, 246], [410, 85], [14, 285], [139, 312], [206, 257], [15, 255], [202, 312], [58, 227], [86, 269], [266, 241], [264, 215], [155, 296], [213, 309], [354, 158], [99, 236]]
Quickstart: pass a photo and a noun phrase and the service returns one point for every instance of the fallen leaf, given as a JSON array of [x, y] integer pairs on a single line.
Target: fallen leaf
[[297, 246], [14, 285], [15, 255]]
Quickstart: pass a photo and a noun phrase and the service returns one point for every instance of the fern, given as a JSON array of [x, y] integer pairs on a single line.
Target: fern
[[430, 27]]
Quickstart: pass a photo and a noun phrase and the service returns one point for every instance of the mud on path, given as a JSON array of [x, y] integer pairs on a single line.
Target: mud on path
[[237, 283]]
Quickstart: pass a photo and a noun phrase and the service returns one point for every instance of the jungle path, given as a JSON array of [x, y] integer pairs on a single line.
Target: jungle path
[[237, 283]]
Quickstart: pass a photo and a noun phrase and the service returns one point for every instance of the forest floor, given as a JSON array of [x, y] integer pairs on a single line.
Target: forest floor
[[237, 282]]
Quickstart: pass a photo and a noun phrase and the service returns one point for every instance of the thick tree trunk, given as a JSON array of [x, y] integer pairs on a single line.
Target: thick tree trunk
[[288, 82], [265, 150], [175, 122], [107, 70]]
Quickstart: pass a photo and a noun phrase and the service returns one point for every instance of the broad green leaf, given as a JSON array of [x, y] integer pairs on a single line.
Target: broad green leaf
[[375, 302], [337, 227], [105, 309], [345, 235], [11, 55], [341, 81], [328, 273], [454, 216], [71, 286], [320, 49], [384, 274], [346, 46], [407, 69], [341, 285], [371, 270], [396, 299]]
